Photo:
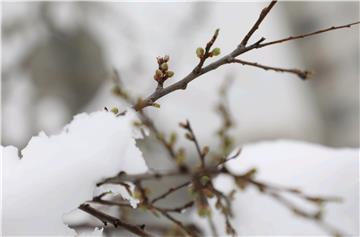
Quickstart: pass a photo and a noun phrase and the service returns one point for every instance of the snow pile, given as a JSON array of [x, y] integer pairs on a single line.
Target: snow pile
[[58, 173], [314, 169]]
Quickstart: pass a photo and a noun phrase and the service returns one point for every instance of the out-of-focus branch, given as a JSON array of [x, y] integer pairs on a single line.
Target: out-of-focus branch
[[105, 218]]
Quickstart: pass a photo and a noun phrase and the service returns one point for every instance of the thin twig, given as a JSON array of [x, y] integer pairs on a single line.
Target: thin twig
[[176, 222], [171, 190], [179, 209], [105, 218], [262, 16], [302, 74], [307, 34]]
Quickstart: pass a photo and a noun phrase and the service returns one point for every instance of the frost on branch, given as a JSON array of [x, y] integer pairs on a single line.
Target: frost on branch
[[58, 173]]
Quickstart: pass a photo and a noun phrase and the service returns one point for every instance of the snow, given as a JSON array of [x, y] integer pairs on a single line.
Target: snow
[[58, 173], [312, 168]]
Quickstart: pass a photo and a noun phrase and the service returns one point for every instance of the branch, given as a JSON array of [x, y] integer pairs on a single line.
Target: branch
[[191, 136], [105, 218], [171, 190], [302, 74], [308, 34], [262, 16], [179, 209], [176, 222], [182, 84]]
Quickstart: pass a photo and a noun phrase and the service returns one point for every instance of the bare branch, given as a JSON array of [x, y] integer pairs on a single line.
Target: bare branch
[[105, 218], [262, 16], [171, 190], [308, 34], [182, 84], [302, 74]]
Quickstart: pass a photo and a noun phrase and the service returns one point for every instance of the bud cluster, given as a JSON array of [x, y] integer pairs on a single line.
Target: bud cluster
[[163, 73], [200, 53]]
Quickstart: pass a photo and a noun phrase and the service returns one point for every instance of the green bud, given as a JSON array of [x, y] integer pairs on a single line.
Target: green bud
[[204, 211], [216, 52], [158, 73], [205, 150], [115, 110], [170, 73], [200, 52], [173, 138], [156, 105], [164, 66], [180, 156], [204, 179]]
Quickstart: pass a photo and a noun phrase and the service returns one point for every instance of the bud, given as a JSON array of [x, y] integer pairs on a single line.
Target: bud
[[184, 125], [173, 138], [200, 52], [115, 110], [189, 136], [204, 180], [156, 105], [160, 60], [158, 75], [204, 211], [170, 73], [205, 150], [216, 52], [166, 58], [180, 157], [164, 67]]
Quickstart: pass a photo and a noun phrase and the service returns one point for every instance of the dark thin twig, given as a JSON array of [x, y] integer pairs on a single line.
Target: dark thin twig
[[171, 190], [177, 222], [105, 218], [307, 34], [262, 16], [302, 74]]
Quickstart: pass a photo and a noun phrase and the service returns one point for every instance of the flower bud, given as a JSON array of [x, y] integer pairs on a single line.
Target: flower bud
[[164, 67], [200, 52], [166, 58], [160, 60], [158, 75], [216, 52], [115, 110], [170, 73], [156, 105]]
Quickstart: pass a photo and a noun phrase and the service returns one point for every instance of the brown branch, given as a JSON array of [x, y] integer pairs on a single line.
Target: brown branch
[[262, 16], [315, 216], [171, 190], [302, 74], [207, 52], [182, 84], [179, 209], [105, 218], [160, 137], [176, 222], [307, 34], [191, 136]]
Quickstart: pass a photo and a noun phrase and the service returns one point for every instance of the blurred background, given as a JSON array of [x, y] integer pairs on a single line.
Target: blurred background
[[57, 61]]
